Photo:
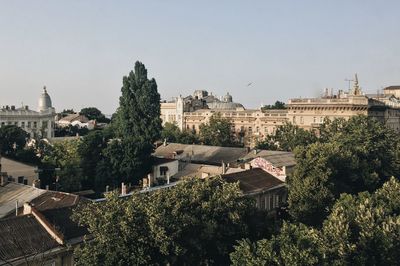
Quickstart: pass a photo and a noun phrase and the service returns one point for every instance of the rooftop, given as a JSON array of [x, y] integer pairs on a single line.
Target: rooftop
[[213, 155], [277, 158], [253, 181], [23, 236], [13, 192]]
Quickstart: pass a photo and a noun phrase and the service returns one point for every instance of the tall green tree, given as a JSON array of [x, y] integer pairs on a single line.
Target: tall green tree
[[218, 132], [138, 123], [194, 223], [276, 105]]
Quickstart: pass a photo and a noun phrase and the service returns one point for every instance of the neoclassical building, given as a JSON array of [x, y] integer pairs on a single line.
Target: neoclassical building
[[252, 125], [249, 126], [309, 113], [38, 123]]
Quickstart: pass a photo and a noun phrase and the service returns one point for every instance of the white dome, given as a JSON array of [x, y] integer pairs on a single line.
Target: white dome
[[44, 101]]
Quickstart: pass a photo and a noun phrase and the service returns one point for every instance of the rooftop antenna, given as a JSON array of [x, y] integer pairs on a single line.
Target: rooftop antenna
[[349, 81]]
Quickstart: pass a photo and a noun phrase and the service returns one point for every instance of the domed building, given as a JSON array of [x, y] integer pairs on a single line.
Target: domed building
[[38, 123], [44, 101]]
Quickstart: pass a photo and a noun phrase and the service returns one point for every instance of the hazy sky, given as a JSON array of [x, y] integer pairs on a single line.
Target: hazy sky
[[82, 49]]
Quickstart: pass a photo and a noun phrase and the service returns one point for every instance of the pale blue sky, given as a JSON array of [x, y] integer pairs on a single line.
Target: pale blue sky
[[81, 49]]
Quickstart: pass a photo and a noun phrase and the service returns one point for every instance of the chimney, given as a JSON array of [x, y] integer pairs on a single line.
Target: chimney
[[27, 209], [167, 178], [36, 183], [223, 168], [123, 189], [13, 107], [150, 180], [16, 208], [247, 166], [3, 180], [165, 142], [47, 187], [145, 181], [107, 188], [255, 151], [26, 107]]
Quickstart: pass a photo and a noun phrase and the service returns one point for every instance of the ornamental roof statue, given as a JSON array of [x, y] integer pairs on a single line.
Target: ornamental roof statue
[[356, 88]]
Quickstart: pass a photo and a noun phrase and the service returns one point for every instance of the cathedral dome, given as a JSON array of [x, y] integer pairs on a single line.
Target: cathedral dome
[[228, 98], [44, 101]]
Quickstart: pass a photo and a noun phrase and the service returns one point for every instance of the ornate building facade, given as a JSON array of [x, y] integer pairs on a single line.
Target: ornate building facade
[[252, 125], [38, 123], [309, 113]]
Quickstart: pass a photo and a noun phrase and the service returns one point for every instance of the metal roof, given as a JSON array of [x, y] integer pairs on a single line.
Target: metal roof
[[13, 192]]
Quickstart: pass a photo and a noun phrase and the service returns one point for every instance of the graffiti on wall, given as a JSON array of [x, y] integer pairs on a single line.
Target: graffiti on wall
[[268, 167]]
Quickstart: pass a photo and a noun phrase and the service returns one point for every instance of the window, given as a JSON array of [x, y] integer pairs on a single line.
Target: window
[[301, 120], [294, 120], [22, 124], [315, 119], [16, 123], [29, 124], [271, 202], [163, 170], [35, 124]]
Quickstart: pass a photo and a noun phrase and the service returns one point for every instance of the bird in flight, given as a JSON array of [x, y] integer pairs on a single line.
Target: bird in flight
[[249, 84]]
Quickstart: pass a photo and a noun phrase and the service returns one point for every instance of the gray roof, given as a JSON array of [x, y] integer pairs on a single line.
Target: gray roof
[[12, 192], [201, 153], [277, 158], [23, 236]]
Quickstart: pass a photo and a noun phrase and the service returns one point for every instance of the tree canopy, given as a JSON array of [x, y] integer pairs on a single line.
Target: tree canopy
[[195, 222], [351, 156], [361, 230], [276, 105], [287, 137], [172, 133], [94, 114], [12, 139], [218, 132]]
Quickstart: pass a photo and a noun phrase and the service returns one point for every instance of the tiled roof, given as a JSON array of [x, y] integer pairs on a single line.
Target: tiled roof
[[23, 236], [253, 181], [63, 223]]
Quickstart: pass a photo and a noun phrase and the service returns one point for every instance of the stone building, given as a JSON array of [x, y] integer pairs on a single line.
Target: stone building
[[38, 123], [309, 113], [249, 126]]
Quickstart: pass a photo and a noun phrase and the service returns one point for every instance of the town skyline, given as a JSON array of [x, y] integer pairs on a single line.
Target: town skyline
[[81, 52]]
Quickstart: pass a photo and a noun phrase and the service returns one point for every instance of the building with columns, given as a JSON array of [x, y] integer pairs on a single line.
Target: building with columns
[[38, 123]]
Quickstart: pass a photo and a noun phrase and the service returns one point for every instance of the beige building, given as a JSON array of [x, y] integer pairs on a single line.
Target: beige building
[[252, 125], [19, 172], [38, 123], [309, 113]]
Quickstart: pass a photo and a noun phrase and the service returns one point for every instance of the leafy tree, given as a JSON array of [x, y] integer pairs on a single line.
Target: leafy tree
[[65, 156], [137, 123], [172, 133], [12, 139], [287, 137], [276, 105], [195, 222], [94, 114], [294, 245], [360, 230], [218, 132], [90, 151], [360, 156]]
